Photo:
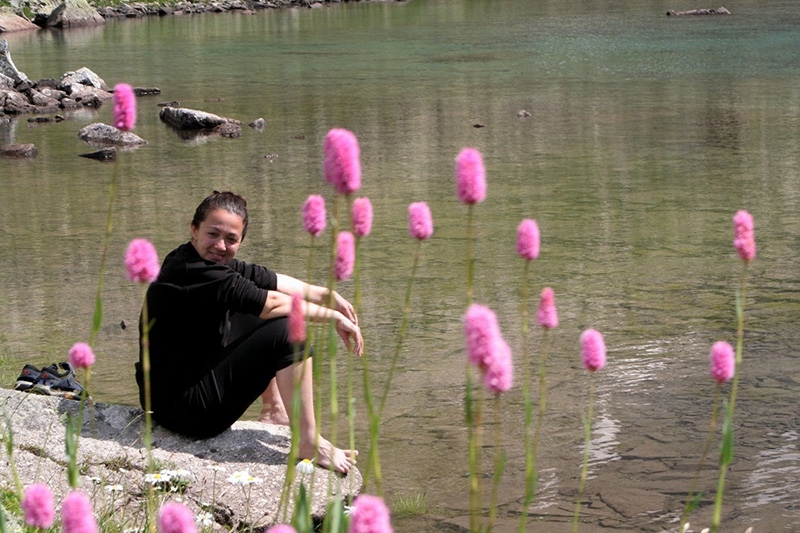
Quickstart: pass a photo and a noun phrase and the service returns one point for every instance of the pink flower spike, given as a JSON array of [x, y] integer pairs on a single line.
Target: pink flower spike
[[124, 107], [480, 333], [744, 239], [141, 261], [37, 503], [175, 518], [370, 515], [297, 321], [420, 223], [470, 176], [528, 239], [723, 362], [547, 316], [594, 350], [314, 215], [499, 374], [362, 217], [81, 355], [345, 255], [76, 514], [342, 164], [281, 528]]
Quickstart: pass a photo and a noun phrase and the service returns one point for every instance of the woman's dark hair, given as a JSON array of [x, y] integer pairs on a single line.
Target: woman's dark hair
[[229, 201]]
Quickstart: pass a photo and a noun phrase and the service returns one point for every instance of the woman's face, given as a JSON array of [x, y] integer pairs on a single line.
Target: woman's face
[[218, 237]]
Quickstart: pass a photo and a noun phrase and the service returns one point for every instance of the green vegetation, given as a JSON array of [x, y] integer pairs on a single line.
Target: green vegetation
[[405, 505]]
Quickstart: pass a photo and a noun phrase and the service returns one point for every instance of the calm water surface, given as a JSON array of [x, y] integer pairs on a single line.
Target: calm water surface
[[646, 134]]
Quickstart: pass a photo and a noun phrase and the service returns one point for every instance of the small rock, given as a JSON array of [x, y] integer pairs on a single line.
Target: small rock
[[146, 91], [523, 114], [478, 125], [103, 134], [258, 124], [173, 103]]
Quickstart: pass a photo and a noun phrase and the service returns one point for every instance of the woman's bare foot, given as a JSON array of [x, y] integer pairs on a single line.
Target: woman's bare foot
[[273, 414], [329, 456]]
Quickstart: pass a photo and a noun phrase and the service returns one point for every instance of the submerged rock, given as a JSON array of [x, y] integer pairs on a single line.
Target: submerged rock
[[719, 11], [182, 118]]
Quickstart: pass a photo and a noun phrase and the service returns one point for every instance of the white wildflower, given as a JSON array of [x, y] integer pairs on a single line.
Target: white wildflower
[[305, 467], [204, 519], [243, 478], [113, 488]]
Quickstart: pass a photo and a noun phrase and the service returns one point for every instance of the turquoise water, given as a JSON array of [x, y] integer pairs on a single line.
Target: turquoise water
[[646, 134]]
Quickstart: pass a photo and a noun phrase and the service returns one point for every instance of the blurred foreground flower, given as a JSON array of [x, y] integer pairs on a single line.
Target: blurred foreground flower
[[124, 107], [594, 350], [370, 515], [76, 514], [723, 362], [361, 216], [342, 164], [314, 215], [470, 176], [81, 355], [744, 239], [141, 261], [176, 518], [420, 223], [37, 503], [528, 239], [297, 321], [345, 255], [547, 316]]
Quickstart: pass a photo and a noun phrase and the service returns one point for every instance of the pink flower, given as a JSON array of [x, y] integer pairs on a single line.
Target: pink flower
[[76, 514], [141, 261], [528, 239], [547, 316], [723, 362], [297, 321], [37, 503], [744, 239], [481, 332], [470, 176], [498, 375], [281, 528], [420, 223], [362, 217], [176, 518], [342, 165], [314, 214], [594, 350], [81, 355], [345, 255], [370, 515], [124, 107]]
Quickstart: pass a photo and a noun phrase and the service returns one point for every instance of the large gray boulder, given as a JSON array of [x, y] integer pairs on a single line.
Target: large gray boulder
[[7, 66], [99, 134], [113, 462], [10, 21], [83, 77], [73, 14]]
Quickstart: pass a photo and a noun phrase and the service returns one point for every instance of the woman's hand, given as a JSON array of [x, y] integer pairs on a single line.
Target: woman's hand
[[350, 334], [344, 307]]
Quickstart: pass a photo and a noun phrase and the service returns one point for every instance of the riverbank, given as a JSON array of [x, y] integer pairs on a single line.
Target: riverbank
[[33, 10]]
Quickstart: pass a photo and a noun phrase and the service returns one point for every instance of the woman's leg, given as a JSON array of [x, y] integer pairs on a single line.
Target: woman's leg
[[273, 410], [312, 445]]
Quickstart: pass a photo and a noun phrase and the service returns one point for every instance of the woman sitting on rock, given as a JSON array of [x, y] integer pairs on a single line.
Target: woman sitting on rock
[[219, 339]]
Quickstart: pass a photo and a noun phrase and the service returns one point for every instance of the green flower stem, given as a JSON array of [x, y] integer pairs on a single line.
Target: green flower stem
[[587, 428], [726, 453], [690, 499], [470, 266], [499, 461], [473, 415], [148, 415], [526, 394], [97, 318]]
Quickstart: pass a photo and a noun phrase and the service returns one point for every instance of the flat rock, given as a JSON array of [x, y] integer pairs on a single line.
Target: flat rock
[[111, 453], [182, 118], [19, 151]]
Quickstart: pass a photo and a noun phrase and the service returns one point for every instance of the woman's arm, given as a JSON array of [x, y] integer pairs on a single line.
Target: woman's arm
[[279, 304], [316, 295]]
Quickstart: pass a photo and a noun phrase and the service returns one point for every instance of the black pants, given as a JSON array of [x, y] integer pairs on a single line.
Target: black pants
[[256, 351]]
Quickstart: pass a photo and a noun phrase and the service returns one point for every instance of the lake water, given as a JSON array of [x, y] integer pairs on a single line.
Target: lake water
[[646, 134]]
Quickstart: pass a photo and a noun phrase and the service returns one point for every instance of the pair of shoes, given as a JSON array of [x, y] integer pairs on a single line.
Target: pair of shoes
[[50, 381]]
